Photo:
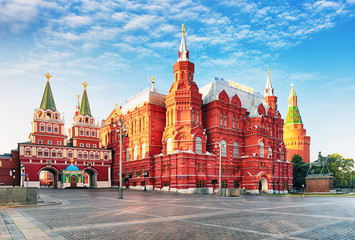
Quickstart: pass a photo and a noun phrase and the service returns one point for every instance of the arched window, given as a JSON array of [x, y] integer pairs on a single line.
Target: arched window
[[235, 150], [143, 150], [262, 149], [220, 120], [127, 154], [198, 145], [225, 121], [237, 124], [282, 156], [198, 116], [49, 128], [233, 123], [270, 152], [223, 148], [193, 115], [135, 152], [169, 146]]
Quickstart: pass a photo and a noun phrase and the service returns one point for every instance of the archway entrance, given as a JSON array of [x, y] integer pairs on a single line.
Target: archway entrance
[[48, 178], [263, 185], [90, 178]]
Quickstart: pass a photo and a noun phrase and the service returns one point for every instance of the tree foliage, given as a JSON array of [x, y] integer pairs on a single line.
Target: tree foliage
[[341, 169], [299, 172]]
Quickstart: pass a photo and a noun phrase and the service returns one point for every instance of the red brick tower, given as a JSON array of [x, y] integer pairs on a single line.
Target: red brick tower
[[295, 137], [47, 125], [183, 129], [85, 133], [269, 97]]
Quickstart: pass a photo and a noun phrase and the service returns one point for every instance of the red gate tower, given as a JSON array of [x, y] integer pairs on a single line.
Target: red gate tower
[[85, 132], [47, 125], [295, 137], [47, 156]]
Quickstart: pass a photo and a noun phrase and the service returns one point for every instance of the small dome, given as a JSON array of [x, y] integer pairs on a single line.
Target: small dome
[[72, 168]]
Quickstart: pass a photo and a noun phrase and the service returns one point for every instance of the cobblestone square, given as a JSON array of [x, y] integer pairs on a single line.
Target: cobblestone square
[[98, 214]]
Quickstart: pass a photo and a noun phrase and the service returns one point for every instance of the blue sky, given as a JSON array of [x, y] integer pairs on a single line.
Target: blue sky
[[117, 46]]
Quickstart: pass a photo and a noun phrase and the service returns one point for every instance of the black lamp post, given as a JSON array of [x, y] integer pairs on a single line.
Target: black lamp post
[[23, 175], [13, 177], [145, 174], [122, 131]]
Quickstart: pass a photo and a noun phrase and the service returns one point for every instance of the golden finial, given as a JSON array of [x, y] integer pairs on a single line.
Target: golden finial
[[115, 105], [78, 96], [85, 84], [153, 81], [268, 72], [48, 76], [183, 29], [72, 160]]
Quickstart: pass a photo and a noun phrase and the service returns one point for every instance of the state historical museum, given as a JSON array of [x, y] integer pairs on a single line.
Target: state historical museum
[[174, 142]]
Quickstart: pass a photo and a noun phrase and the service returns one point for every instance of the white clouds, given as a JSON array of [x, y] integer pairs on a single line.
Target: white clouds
[[120, 16], [74, 21], [141, 22], [16, 15]]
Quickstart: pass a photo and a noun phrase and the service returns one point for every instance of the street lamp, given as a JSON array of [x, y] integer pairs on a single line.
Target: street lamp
[[13, 177], [220, 168], [122, 131], [145, 174], [23, 175]]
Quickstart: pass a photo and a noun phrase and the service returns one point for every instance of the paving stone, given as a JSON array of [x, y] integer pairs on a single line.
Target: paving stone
[[98, 214]]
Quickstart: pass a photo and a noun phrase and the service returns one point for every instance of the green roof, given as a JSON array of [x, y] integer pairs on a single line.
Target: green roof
[[84, 106], [293, 116], [47, 99]]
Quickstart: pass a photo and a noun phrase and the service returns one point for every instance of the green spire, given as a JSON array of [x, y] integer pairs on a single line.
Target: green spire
[[84, 106], [293, 114], [47, 99]]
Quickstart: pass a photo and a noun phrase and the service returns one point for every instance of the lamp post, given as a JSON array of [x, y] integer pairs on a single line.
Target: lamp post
[[121, 132], [23, 175], [13, 177], [145, 174], [220, 169]]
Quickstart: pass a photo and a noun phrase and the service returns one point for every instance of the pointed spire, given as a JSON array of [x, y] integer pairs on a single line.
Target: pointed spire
[[47, 99], [292, 99], [183, 52], [84, 106], [153, 82], [293, 114], [269, 91], [77, 108]]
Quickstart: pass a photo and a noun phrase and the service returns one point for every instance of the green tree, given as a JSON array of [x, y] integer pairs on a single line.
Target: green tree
[[299, 171], [342, 169]]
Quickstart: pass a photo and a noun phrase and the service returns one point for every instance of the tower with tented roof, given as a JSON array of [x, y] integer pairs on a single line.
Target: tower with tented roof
[[84, 130], [295, 137], [183, 107], [47, 124]]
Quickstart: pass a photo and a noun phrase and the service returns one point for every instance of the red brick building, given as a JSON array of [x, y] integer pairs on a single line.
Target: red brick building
[[10, 169], [176, 138], [49, 152]]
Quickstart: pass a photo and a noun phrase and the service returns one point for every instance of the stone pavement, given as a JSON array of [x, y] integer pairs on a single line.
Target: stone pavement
[[98, 214]]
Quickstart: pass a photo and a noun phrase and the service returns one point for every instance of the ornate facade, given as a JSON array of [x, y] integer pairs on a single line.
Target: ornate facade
[[295, 137], [48, 155], [175, 141]]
